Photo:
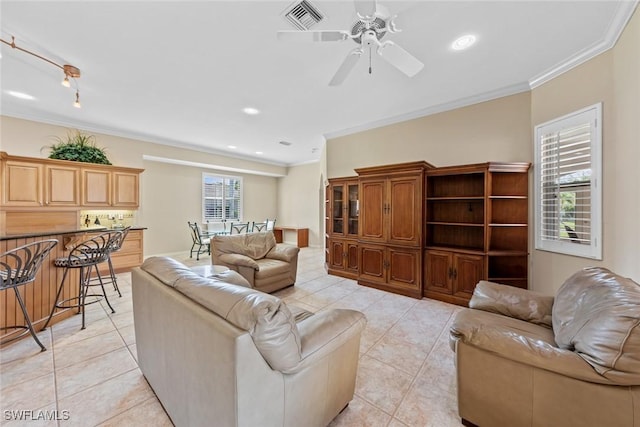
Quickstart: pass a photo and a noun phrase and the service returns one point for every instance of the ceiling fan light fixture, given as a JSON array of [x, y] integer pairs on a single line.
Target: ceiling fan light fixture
[[77, 101], [464, 42], [65, 82]]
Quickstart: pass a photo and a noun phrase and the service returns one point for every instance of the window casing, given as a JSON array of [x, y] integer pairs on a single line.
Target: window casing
[[221, 198], [568, 194]]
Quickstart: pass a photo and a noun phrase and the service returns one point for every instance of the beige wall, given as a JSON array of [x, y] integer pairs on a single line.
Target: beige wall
[[300, 196], [502, 129], [612, 78], [497, 130], [171, 194]]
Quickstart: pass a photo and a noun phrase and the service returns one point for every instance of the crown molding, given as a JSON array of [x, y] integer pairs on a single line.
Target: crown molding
[[106, 130], [209, 166], [622, 16], [440, 108]]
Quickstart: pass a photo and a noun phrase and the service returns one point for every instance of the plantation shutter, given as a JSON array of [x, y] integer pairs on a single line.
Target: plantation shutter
[[568, 190], [222, 198]]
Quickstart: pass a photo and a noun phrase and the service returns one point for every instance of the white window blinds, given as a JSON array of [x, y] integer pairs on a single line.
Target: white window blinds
[[568, 185], [222, 198]]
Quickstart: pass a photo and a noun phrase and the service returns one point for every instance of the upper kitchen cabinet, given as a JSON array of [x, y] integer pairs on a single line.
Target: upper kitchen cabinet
[[112, 187], [29, 182]]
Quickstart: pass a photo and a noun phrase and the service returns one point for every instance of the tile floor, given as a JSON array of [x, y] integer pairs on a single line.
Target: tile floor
[[90, 377]]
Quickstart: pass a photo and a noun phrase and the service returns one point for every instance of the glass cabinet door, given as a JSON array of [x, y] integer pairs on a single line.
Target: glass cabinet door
[[353, 209], [337, 198]]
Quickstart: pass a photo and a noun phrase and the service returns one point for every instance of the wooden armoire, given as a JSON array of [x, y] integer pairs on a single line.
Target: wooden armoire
[[419, 230], [391, 231]]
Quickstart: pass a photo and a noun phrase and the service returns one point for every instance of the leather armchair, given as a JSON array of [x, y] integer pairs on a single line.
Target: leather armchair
[[265, 264], [524, 359]]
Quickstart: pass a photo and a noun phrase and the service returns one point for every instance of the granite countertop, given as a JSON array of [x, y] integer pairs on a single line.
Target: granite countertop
[[93, 229]]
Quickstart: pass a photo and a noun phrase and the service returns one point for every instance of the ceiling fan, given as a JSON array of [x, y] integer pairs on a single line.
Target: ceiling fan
[[373, 23]]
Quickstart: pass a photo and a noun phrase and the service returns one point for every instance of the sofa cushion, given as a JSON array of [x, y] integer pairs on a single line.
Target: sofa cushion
[[596, 313], [271, 267], [253, 245], [267, 318], [513, 302]]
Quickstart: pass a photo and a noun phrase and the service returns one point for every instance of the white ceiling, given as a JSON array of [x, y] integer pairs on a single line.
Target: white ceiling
[[180, 73]]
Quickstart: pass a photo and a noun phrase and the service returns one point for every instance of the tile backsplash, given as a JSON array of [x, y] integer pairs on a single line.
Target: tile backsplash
[[111, 219]]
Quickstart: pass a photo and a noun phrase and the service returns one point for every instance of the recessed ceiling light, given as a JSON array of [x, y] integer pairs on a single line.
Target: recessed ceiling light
[[259, 152], [251, 111], [20, 95], [463, 42], [233, 147]]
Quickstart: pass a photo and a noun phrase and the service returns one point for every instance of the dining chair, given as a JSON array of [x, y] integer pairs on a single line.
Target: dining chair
[[258, 226], [239, 227], [18, 267], [271, 223], [200, 240]]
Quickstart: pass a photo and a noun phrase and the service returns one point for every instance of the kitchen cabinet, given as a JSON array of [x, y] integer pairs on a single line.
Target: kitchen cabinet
[[110, 188], [34, 182], [62, 185], [129, 256], [22, 183]]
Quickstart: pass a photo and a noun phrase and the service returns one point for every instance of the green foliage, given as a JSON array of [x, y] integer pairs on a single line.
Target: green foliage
[[78, 147]]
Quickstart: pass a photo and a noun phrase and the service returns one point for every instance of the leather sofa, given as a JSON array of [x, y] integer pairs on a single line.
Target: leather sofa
[[524, 359], [267, 265], [217, 353]]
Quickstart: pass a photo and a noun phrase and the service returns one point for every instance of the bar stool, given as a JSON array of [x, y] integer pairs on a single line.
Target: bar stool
[[85, 256], [18, 267], [117, 245]]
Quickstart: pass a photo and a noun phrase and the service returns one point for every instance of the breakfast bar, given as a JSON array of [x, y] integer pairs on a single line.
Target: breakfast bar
[[39, 295]]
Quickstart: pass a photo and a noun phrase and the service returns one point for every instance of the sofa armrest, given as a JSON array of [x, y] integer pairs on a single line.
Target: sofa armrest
[[326, 331], [238, 260], [283, 252], [514, 302], [508, 344]]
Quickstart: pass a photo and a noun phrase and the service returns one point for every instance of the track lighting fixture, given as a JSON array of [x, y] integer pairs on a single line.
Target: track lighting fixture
[[69, 70]]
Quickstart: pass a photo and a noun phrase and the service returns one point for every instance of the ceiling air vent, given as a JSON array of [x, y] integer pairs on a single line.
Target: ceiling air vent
[[303, 15], [287, 143]]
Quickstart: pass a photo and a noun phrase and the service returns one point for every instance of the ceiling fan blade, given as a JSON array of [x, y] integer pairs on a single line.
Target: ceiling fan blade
[[346, 67], [400, 58], [365, 8], [314, 36]]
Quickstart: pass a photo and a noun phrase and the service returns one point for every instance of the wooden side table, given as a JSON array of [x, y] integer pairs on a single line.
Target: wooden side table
[[302, 235]]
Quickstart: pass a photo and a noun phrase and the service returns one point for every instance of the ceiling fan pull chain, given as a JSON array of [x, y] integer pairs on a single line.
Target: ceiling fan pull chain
[[369, 59]]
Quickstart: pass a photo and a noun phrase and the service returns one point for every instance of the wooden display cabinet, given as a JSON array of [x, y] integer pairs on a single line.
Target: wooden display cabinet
[[476, 221], [342, 209], [391, 216]]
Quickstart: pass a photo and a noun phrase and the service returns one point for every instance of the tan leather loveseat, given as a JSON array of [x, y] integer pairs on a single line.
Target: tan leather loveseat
[[523, 359], [267, 265], [218, 354]]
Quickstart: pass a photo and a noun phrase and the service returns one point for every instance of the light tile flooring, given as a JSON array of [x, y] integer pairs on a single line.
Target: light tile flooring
[[90, 377]]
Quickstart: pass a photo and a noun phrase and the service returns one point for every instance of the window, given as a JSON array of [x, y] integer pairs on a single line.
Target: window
[[222, 198], [568, 184]]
